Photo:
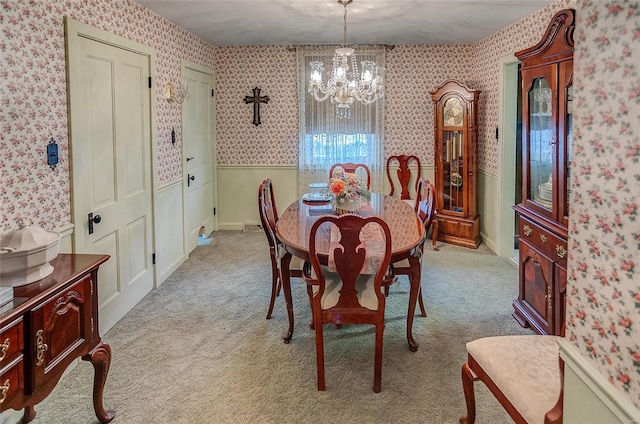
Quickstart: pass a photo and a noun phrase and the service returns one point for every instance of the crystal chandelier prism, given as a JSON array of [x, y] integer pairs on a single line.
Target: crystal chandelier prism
[[345, 84]]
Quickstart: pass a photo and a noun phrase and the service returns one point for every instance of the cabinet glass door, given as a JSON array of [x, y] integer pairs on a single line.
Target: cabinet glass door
[[568, 153], [453, 155], [541, 144]]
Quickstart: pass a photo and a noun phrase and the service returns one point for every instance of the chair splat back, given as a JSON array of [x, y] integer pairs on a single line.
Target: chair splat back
[[404, 174]]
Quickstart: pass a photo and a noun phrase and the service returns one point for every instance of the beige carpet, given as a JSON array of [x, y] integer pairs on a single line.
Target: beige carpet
[[199, 349]]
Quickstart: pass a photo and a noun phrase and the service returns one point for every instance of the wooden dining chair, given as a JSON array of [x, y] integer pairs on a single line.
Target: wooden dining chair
[[403, 173], [269, 217], [350, 292], [524, 372], [425, 208], [352, 168]]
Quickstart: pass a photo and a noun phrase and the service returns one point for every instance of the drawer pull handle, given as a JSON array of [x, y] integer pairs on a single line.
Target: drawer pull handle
[[41, 348], [527, 230], [4, 348], [549, 297], [561, 251], [543, 238], [4, 390]]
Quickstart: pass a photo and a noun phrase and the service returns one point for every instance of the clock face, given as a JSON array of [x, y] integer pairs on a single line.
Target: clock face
[[453, 113]]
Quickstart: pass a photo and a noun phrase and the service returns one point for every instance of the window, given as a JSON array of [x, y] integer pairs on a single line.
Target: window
[[326, 139]]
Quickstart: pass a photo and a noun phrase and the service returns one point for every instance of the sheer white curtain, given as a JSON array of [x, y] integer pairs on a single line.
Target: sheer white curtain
[[326, 139]]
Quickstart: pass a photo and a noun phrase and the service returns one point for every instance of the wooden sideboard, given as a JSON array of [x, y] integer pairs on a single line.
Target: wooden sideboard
[[48, 325]]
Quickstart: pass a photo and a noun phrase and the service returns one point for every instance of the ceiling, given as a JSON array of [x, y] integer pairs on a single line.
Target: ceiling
[[300, 22]]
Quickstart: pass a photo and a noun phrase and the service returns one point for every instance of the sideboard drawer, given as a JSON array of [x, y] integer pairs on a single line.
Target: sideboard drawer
[[11, 380], [11, 341]]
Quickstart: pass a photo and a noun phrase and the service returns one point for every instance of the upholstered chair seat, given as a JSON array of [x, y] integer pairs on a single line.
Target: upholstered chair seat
[[524, 369]]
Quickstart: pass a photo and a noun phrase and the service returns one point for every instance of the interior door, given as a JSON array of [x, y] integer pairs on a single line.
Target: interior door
[[110, 110], [198, 154]]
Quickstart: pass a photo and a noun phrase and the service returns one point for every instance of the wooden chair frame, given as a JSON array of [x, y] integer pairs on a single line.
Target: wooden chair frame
[[269, 217], [404, 174], [472, 372], [349, 257], [425, 208]]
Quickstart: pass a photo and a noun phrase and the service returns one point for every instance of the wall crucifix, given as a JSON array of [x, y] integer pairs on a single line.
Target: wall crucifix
[[256, 99]]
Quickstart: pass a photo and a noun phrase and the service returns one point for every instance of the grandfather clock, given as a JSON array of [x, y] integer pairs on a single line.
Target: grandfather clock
[[456, 159]]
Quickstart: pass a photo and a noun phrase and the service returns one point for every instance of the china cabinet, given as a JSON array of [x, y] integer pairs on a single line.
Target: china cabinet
[[456, 160], [547, 70]]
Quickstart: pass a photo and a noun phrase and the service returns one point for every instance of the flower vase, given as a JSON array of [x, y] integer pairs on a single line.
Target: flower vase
[[343, 205]]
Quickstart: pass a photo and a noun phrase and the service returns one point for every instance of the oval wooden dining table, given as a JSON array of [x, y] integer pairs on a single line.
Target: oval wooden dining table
[[407, 233]]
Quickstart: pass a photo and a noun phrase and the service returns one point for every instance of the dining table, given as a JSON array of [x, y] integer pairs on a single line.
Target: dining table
[[407, 234]]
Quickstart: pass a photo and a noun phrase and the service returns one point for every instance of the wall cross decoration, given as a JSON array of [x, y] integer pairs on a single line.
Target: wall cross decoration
[[256, 99]]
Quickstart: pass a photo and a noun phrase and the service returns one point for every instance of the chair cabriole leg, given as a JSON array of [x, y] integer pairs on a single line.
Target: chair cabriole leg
[[275, 286], [468, 377]]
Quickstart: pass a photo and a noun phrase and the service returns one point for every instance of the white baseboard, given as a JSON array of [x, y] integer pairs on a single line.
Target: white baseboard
[[231, 226], [172, 268]]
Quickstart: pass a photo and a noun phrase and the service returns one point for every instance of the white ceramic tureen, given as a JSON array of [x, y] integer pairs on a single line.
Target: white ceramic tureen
[[25, 254]]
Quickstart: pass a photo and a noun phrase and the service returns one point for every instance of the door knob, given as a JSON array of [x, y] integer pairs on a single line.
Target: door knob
[[189, 179], [91, 220]]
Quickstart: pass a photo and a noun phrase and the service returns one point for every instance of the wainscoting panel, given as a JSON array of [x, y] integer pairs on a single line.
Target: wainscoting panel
[[238, 192], [66, 239], [489, 209], [588, 396], [169, 231]]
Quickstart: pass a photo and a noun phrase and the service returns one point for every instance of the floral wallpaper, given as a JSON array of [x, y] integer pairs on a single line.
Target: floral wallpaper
[[238, 71], [412, 71], [603, 288], [603, 302], [486, 66], [34, 101]]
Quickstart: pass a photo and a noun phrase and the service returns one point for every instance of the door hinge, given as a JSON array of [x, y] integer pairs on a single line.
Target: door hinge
[[214, 211], [149, 82], [212, 93], [153, 258], [496, 133]]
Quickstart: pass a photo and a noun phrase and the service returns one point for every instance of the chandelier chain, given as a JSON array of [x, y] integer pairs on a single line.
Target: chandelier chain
[[344, 40]]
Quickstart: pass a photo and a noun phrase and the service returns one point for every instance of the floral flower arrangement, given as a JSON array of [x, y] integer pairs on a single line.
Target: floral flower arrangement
[[346, 186]]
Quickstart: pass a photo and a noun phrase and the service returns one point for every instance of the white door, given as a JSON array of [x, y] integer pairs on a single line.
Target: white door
[[198, 154], [110, 108]]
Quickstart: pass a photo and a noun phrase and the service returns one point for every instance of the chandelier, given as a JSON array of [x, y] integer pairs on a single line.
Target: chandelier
[[346, 84]]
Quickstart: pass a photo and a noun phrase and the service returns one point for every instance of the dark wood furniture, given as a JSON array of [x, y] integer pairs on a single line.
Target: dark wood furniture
[[456, 158], [404, 177], [50, 323], [352, 168], [344, 295], [524, 373], [269, 216], [547, 134], [425, 209], [403, 174], [407, 233]]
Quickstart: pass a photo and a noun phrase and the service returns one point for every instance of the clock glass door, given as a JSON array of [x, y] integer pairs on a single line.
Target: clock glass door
[[453, 155]]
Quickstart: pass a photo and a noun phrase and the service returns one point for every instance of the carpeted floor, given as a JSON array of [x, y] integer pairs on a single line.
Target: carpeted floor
[[199, 349]]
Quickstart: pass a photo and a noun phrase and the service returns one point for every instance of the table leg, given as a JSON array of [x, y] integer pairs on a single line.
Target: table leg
[[100, 358], [285, 276], [414, 279], [434, 234]]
